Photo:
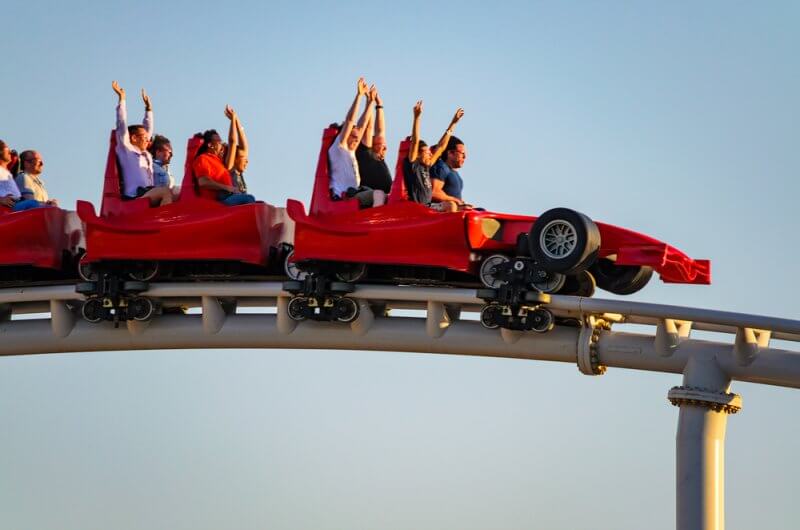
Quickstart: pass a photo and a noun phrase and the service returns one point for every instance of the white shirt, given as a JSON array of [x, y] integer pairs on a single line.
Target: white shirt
[[344, 168], [136, 165], [33, 184], [7, 184]]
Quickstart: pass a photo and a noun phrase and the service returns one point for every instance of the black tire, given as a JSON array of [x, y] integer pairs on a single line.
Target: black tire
[[93, 311], [141, 309], [347, 310], [581, 284], [87, 271], [543, 320], [620, 279], [143, 271], [490, 315], [352, 272], [576, 252], [296, 308]]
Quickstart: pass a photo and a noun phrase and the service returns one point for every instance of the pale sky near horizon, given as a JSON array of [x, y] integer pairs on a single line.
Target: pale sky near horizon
[[678, 120]]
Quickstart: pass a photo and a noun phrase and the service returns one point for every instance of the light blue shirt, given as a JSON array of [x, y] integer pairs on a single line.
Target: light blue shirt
[[7, 184]]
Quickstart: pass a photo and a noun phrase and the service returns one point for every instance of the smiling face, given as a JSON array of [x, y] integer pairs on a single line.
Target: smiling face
[[425, 155], [215, 146], [139, 136], [354, 138], [240, 162], [379, 146]]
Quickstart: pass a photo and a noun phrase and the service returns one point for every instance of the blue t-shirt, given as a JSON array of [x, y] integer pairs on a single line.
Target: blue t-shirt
[[452, 180]]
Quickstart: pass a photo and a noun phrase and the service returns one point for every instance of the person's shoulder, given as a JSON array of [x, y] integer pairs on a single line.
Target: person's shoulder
[[439, 170]]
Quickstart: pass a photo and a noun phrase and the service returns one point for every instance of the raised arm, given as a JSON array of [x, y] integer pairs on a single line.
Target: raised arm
[[243, 146], [413, 151], [440, 147], [367, 122], [148, 114], [349, 120], [381, 130], [122, 116], [233, 137]]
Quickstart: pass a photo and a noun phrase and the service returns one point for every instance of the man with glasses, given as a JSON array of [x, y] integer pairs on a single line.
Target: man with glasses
[[134, 159], [9, 193], [29, 181]]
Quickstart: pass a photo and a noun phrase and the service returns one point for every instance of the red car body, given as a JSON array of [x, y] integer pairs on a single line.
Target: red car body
[[190, 229], [39, 237], [406, 233]]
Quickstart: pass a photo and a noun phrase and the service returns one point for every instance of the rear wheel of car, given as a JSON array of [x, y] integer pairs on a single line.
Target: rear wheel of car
[[620, 279], [292, 270], [488, 268], [563, 240]]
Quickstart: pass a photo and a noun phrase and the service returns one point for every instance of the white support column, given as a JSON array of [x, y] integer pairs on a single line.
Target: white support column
[[704, 403]]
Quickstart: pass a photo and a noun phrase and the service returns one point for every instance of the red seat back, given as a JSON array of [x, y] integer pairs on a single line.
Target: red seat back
[[321, 202], [398, 192], [189, 188]]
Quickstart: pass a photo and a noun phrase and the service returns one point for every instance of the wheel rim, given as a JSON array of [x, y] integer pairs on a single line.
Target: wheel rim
[[553, 283], [291, 268], [353, 273], [558, 239], [349, 310], [146, 272], [92, 310], [295, 308], [488, 315], [143, 308], [87, 272], [487, 276]]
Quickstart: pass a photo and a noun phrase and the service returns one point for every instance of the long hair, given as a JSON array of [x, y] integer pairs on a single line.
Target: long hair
[[207, 137]]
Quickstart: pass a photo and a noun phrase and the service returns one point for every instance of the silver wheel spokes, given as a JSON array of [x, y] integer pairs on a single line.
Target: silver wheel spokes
[[487, 270], [559, 239]]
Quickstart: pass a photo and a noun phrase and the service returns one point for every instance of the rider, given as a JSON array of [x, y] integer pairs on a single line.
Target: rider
[[416, 168], [134, 159]]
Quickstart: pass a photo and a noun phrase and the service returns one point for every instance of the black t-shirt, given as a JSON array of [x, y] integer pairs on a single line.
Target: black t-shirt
[[418, 182], [374, 172]]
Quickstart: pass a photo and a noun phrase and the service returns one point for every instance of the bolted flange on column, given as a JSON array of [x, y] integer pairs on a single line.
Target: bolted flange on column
[[727, 402]]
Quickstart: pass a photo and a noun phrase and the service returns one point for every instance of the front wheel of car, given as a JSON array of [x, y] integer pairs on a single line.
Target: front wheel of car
[[563, 240], [620, 279]]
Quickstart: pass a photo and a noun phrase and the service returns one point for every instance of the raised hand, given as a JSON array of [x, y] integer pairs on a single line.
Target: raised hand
[[457, 116], [229, 112], [119, 90], [418, 109], [378, 100], [373, 94], [147, 104], [362, 86]]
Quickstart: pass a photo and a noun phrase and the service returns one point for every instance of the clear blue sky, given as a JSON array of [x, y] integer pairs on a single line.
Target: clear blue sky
[[676, 119]]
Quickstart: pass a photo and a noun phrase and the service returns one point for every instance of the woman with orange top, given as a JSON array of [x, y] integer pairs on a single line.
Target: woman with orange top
[[212, 174]]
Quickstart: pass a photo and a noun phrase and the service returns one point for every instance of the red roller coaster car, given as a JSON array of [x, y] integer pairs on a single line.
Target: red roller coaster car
[[41, 244], [191, 238], [561, 251]]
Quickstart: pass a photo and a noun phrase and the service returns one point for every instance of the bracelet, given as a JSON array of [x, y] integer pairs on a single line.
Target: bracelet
[[378, 106]]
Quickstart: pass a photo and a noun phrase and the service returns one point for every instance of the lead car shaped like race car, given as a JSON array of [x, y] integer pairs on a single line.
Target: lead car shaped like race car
[[518, 260]]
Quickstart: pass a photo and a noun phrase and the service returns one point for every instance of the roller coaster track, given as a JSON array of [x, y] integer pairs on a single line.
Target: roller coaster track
[[36, 320]]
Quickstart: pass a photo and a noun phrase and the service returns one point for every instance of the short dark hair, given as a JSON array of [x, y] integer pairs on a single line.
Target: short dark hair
[[454, 142], [159, 141], [133, 128], [25, 154], [422, 144]]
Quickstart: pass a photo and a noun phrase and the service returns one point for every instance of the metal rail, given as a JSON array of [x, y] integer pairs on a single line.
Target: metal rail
[[587, 339]]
